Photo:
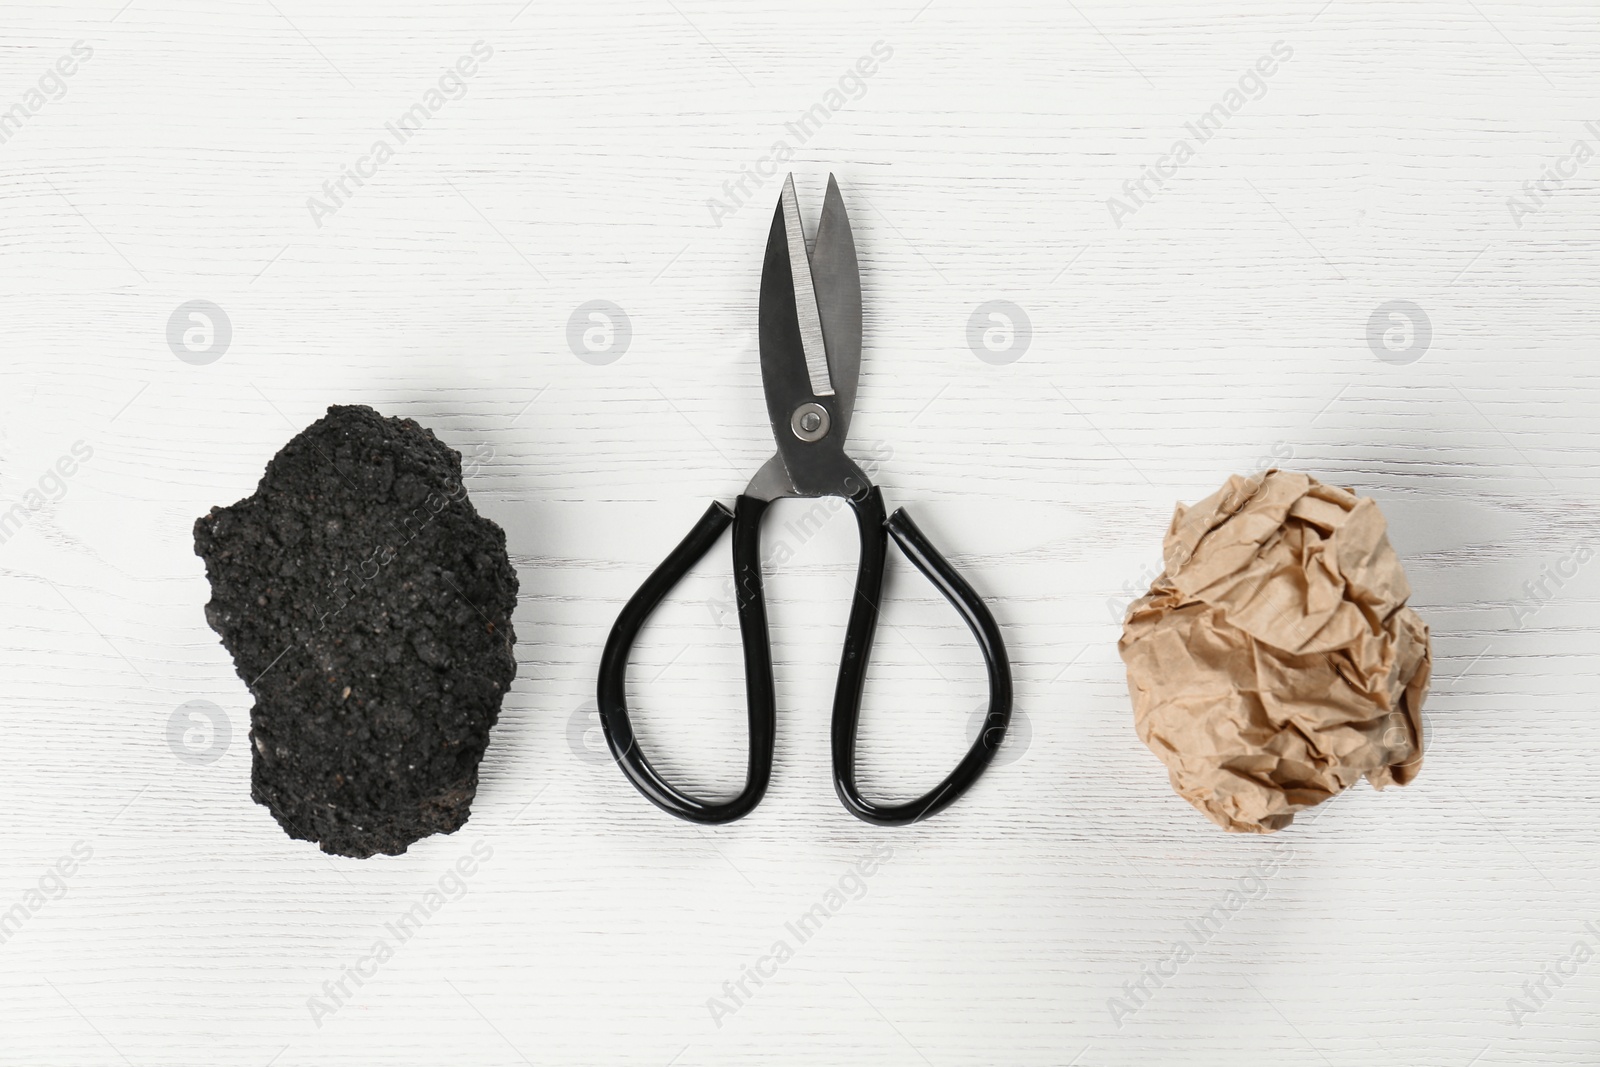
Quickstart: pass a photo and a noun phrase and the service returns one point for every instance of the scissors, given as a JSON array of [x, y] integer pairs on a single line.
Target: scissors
[[810, 333]]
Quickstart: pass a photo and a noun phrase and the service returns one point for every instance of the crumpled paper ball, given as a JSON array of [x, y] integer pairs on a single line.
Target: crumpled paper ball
[[1274, 662]]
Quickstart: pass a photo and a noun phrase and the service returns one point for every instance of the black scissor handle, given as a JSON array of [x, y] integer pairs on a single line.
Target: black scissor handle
[[874, 528], [760, 702]]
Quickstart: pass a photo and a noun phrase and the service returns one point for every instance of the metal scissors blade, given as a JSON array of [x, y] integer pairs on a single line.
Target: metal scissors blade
[[810, 345], [813, 346], [836, 278]]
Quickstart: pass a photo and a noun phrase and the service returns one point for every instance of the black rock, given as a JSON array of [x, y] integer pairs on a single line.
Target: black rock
[[368, 608]]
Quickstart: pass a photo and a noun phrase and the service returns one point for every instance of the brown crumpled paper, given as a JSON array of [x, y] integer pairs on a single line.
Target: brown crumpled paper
[[1274, 662]]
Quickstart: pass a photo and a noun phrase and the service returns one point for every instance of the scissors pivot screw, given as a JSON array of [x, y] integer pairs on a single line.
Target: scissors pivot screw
[[810, 422]]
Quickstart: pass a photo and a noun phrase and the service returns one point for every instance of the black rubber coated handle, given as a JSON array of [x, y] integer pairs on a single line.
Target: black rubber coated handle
[[858, 647], [760, 701]]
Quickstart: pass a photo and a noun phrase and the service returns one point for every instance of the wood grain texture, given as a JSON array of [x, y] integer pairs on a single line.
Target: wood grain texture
[[1221, 327]]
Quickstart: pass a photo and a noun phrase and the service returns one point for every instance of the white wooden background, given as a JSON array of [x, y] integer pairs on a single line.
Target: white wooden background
[[1221, 328]]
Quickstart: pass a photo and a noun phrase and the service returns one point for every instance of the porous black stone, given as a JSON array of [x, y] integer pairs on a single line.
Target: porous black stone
[[368, 607]]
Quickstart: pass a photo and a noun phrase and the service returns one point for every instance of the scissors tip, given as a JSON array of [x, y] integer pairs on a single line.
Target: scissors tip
[[789, 200]]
